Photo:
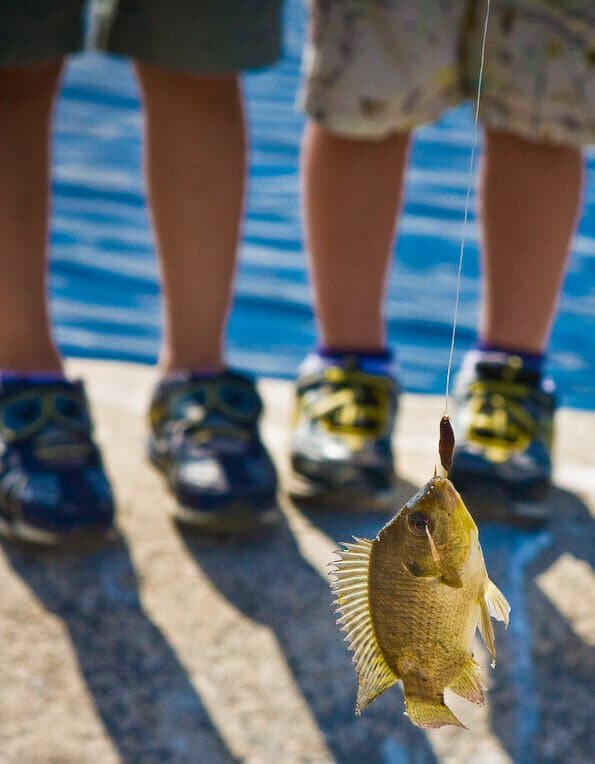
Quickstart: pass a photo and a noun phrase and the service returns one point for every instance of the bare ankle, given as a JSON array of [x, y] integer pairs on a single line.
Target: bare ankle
[[201, 361], [29, 355], [30, 360]]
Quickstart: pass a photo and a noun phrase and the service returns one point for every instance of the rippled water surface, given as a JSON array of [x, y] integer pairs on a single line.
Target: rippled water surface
[[104, 279]]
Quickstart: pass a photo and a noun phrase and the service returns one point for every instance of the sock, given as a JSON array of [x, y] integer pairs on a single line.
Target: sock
[[32, 377], [380, 362], [533, 362], [184, 375]]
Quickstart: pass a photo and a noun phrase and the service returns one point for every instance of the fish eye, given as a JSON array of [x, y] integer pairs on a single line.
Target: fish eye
[[418, 522]]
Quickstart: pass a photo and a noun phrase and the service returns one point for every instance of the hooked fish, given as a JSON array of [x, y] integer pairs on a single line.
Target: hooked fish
[[410, 603]]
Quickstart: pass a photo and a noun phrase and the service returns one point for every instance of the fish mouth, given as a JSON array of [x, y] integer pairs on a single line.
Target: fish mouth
[[444, 494]]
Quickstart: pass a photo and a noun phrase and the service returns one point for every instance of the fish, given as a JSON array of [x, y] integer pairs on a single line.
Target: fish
[[410, 602]]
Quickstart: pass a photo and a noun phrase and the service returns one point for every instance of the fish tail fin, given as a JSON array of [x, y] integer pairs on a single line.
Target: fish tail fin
[[428, 714]]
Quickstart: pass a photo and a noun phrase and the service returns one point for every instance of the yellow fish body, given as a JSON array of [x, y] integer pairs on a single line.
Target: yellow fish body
[[410, 603]]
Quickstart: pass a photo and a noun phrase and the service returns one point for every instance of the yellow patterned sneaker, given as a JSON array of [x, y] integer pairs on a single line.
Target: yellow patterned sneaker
[[504, 427], [341, 445]]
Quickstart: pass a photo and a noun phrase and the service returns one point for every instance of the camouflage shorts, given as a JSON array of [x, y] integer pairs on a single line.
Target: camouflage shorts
[[378, 66]]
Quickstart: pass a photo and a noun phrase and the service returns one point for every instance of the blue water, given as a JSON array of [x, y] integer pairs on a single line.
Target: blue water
[[105, 294]]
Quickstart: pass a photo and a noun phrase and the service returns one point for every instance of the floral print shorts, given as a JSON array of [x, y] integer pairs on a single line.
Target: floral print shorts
[[374, 67]]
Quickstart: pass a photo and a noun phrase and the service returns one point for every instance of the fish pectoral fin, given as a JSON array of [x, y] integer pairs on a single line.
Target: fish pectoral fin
[[427, 714], [492, 604], [486, 629], [350, 585], [449, 576], [469, 683], [496, 602]]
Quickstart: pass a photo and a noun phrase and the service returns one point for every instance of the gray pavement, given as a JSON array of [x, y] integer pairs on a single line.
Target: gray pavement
[[162, 646]]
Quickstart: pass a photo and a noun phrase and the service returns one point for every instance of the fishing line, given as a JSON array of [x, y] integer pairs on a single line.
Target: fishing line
[[466, 216]]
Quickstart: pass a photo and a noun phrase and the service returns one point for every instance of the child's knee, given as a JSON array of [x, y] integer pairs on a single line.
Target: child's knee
[[180, 91]]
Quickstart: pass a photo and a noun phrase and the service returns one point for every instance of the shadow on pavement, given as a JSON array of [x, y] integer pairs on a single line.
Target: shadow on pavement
[[142, 693], [342, 525], [270, 582], [542, 700]]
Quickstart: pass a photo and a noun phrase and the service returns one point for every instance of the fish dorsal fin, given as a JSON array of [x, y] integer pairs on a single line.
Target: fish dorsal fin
[[497, 603], [350, 585], [469, 684], [426, 714]]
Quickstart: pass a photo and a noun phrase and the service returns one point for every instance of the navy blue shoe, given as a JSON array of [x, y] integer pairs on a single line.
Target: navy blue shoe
[[205, 439], [53, 486]]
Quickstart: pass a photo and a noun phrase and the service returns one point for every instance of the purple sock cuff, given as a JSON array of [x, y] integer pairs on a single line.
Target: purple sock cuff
[[32, 377], [186, 375], [383, 356], [531, 361], [381, 362]]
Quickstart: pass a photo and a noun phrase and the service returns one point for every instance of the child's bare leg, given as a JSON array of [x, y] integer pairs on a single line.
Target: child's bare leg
[[26, 99], [530, 199], [195, 153], [352, 191]]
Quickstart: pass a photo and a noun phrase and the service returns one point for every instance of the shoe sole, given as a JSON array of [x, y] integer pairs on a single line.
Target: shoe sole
[[314, 496], [238, 519], [235, 522], [32, 536]]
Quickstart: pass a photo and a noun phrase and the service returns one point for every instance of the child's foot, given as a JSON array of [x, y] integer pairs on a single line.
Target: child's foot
[[504, 427], [205, 439], [53, 487], [341, 448]]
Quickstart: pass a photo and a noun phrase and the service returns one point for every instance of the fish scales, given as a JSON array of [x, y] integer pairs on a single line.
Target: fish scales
[[417, 627], [411, 600]]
